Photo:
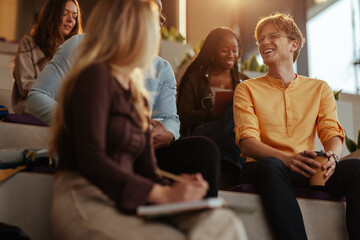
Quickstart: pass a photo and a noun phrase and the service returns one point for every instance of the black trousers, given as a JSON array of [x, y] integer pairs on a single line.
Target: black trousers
[[276, 182], [192, 155]]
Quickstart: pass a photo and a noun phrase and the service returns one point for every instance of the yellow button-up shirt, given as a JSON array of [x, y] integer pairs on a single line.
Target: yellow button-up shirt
[[286, 118]]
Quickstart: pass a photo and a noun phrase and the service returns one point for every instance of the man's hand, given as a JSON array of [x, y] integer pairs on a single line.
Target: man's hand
[[302, 163], [334, 145], [330, 165], [159, 135]]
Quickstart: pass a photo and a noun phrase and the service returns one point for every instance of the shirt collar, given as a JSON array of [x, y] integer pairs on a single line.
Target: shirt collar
[[278, 83]]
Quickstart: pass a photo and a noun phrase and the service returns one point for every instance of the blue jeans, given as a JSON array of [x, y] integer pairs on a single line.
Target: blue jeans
[[222, 133]]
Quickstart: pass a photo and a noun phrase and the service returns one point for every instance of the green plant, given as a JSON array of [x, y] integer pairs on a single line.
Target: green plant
[[337, 94], [172, 34], [190, 54], [351, 145], [253, 65]]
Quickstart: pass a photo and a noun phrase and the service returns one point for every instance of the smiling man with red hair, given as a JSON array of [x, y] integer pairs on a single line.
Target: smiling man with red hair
[[276, 118]]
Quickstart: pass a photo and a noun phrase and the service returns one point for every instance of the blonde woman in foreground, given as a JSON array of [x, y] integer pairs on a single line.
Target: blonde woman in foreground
[[102, 135]]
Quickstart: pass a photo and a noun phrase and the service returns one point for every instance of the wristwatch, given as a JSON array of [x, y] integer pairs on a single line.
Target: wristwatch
[[336, 158]]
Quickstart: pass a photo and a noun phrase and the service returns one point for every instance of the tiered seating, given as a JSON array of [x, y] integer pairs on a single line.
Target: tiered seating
[[7, 54], [14, 135], [25, 201], [323, 219], [323, 214], [25, 198]]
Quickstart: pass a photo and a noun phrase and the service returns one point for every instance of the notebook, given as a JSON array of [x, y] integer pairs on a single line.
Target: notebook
[[159, 210]]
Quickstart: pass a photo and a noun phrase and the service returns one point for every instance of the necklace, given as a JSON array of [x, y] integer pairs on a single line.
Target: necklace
[[220, 82]]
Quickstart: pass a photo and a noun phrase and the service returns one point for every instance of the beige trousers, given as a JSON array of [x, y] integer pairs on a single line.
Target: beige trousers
[[81, 211]]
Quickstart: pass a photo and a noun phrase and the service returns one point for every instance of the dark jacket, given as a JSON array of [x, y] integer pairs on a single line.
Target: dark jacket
[[194, 99]]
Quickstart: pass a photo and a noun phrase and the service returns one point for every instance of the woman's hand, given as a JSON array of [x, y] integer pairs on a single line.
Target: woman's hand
[[193, 188]]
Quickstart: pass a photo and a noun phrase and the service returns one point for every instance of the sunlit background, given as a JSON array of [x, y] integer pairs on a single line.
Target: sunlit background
[[333, 44], [331, 27]]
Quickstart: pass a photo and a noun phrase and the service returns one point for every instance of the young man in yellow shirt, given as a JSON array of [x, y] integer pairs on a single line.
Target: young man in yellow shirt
[[276, 120]]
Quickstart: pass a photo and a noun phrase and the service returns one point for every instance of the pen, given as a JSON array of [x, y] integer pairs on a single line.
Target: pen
[[170, 176], [173, 176]]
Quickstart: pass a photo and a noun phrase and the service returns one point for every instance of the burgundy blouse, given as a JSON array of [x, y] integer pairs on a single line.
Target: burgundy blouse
[[105, 142]]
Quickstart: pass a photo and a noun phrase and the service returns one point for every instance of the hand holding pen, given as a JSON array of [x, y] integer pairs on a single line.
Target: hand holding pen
[[186, 187]]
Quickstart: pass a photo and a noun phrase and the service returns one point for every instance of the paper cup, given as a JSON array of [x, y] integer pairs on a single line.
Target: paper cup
[[318, 179]]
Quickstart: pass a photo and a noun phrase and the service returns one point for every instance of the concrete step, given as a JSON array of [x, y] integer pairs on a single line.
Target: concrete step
[[25, 202], [324, 220], [16, 135]]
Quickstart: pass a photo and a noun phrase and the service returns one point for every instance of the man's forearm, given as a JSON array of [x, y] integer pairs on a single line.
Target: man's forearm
[[335, 145], [255, 149]]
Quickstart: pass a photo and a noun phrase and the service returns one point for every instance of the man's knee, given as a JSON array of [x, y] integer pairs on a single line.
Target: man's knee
[[271, 164], [352, 163], [206, 148], [350, 167], [270, 169]]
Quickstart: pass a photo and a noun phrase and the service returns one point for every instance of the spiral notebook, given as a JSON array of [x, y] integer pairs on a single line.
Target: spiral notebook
[[159, 210]]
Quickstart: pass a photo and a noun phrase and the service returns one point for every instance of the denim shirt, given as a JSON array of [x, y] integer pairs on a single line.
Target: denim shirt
[[42, 98]]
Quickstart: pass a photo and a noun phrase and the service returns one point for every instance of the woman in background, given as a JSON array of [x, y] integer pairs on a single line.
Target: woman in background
[[57, 21], [214, 69], [102, 136]]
